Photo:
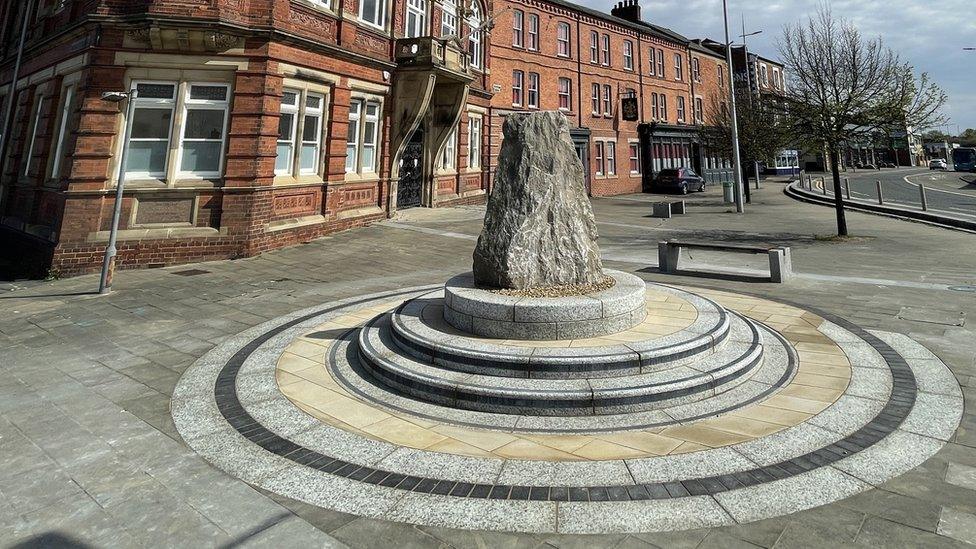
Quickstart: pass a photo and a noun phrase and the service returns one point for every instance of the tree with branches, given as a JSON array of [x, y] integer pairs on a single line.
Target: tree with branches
[[845, 88], [763, 130]]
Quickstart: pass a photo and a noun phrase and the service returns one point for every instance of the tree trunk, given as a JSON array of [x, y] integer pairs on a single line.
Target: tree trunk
[[838, 192]]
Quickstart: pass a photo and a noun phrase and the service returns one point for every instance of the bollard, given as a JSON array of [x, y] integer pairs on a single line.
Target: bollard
[[921, 194], [847, 187], [880, 196], [823, 182], [809, 182]]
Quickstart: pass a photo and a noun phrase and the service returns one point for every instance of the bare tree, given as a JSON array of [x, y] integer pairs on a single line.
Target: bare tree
[[762, 128], [844, 87]]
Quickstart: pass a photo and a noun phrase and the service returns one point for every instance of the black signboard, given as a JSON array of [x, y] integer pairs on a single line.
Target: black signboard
[[628, 108]]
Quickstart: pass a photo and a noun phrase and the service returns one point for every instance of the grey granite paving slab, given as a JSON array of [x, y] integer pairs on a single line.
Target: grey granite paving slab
[[932, 376], [714, 462], [790, 495], [934, 415], [787, 444], [957, 525], [897, 453], [961, 475], [847, 414], [564, 473], [290, 531], [469, 513], [641, 516], [838, 334], [872, 383], [410, 461], [332, 492]]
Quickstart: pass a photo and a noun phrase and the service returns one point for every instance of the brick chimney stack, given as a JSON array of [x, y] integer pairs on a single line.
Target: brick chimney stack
[[627, 9]]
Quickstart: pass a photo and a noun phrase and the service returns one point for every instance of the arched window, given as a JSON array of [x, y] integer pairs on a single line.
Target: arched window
[[475, 47]]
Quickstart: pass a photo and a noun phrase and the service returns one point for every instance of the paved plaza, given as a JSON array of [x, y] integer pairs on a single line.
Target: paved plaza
[[225, 403]]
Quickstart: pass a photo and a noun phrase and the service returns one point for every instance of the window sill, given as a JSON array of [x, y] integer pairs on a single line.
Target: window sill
[[285, 180], [362, 177]]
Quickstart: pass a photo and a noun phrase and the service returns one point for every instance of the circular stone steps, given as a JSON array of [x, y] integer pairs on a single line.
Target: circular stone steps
[[685, 379], [420, 331]]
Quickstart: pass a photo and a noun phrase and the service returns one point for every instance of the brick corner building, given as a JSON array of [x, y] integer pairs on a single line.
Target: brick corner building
[[261, 124]]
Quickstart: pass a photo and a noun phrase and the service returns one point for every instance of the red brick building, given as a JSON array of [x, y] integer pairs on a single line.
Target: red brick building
[[264, 123], [550, 54]]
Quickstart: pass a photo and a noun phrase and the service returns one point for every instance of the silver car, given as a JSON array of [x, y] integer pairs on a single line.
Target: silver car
[[938, 164]]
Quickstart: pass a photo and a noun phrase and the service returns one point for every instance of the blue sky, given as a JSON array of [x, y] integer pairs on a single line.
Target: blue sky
[[929, 35]]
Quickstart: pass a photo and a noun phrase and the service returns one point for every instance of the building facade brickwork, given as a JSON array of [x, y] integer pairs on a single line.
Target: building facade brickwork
[[261, 124]]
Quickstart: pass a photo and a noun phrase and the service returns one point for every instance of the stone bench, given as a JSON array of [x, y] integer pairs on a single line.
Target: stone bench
[[780, 258], [665, 210]]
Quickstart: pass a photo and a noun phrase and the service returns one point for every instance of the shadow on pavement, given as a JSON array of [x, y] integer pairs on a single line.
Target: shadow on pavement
[[50, 540]]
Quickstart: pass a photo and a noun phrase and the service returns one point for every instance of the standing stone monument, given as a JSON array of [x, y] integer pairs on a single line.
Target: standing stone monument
[[539, 229]]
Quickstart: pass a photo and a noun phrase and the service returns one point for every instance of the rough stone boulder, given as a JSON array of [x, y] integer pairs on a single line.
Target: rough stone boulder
[[539, 229]]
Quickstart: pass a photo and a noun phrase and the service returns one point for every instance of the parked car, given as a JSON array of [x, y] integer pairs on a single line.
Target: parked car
[[681, 180], [938, 164]]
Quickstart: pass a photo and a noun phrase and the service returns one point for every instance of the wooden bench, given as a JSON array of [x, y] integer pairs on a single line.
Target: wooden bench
[[780, 259]]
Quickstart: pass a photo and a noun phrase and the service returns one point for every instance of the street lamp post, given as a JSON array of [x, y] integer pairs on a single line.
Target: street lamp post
[[108, 263], [736, 158]]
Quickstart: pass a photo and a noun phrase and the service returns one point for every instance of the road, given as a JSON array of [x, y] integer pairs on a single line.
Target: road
[[951, 192]]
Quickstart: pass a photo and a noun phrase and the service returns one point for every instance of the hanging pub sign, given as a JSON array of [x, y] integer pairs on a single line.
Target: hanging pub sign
[[628, 108]]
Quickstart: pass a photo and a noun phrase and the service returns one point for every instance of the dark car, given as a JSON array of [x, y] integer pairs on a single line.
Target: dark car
[[681, 180]]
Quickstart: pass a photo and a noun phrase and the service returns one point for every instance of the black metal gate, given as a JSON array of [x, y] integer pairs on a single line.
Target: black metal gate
[[411, 172]]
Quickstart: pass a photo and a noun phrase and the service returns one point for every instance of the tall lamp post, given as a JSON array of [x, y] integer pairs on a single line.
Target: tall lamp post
[[736, 157], [108, 263]]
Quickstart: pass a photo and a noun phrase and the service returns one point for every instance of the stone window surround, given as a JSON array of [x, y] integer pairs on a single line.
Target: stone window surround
[[441, 166], [182, 78], [41, 94], [304, 87], [609, 160], [360, 94]]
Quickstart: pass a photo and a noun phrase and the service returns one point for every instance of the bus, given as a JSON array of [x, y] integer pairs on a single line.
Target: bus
[[964, 159]]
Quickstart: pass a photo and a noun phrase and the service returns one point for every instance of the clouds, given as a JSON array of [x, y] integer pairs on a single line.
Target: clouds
[[931, 36]]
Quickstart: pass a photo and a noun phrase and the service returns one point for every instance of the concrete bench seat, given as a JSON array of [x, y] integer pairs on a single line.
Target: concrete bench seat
[[780, 258]]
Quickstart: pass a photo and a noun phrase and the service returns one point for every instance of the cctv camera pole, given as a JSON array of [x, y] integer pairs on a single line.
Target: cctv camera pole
[[736, 158], [108, 264]]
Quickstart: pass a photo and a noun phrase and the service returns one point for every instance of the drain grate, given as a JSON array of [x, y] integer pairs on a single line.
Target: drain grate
[[191, 272]]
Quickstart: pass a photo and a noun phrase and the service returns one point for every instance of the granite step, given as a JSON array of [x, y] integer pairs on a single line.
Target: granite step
[[419, 331], [690, 381]]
